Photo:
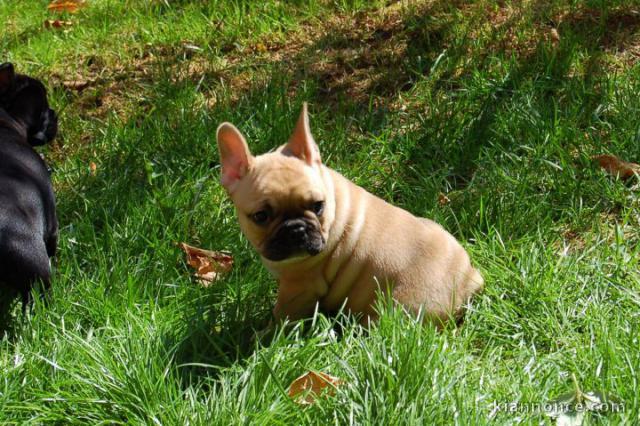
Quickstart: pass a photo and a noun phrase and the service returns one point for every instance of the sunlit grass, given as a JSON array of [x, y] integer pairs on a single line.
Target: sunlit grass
[[411, 101]]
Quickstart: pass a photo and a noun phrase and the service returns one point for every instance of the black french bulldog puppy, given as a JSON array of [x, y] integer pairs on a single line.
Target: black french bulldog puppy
[[28, 222]]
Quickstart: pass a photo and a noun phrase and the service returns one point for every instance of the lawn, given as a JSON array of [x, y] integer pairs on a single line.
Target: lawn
[[483, 115]]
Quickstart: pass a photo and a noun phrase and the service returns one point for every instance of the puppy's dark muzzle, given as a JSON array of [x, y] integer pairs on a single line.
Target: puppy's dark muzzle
[[294, 237], [48, 128]]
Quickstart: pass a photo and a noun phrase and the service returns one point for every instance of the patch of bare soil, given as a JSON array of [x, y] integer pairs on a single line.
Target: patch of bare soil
[[347, 56], [620, 29], [517, 28], [101, 89], [361, 57], [505, 29]]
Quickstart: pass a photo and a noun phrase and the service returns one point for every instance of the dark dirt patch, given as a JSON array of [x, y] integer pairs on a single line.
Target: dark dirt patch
[[373, 56], [616, 32], [368, 55]]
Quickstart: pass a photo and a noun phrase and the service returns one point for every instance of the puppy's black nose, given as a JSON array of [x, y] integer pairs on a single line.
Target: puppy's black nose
[[296, 230]]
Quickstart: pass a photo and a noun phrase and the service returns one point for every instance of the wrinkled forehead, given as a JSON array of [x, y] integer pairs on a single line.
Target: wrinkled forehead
[[281, 182]]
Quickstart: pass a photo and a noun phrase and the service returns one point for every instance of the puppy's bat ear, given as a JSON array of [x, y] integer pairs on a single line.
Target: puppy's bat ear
[[301, 143], [7, 76], [234, 155]]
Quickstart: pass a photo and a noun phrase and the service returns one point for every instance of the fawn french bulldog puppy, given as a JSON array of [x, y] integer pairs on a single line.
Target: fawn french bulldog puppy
[[28, 223], [329, 242]]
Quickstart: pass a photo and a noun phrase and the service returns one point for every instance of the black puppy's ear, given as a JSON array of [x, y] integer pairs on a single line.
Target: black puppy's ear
[[7, 76]]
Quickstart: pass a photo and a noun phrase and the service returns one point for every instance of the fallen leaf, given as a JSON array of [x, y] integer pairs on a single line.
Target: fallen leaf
[[569, 409], [617, 167], [555, 36], [309, 386], [56, 23], [208, 264], [443, 200], [76, 84], [70, 6]]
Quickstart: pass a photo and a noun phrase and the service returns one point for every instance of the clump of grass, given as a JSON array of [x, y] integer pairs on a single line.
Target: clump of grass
[[486, 108]]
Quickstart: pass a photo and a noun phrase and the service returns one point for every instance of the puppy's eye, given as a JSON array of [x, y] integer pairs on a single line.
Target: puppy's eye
[[260, 217], [318, 207]]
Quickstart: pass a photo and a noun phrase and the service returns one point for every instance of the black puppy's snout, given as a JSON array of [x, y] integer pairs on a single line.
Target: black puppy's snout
[[45, 129]]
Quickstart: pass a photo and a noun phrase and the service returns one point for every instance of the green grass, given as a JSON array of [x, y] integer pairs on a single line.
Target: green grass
[[472, 99]]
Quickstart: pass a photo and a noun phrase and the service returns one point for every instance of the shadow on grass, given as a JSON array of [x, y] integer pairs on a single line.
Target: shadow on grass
[[364, 65], [8, 300], [576, 61], [13, 310], [217, 335]]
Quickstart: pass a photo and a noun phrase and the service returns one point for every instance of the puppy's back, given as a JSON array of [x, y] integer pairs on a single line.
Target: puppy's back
[[426, 267], [28, 225]]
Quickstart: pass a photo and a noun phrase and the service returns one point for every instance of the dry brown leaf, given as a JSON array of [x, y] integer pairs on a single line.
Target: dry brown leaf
[[70, 6], [56, 23], [306, 388], [617, 167], [76, 84], [209, 265], [443, 200], [555, 35]]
